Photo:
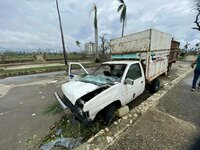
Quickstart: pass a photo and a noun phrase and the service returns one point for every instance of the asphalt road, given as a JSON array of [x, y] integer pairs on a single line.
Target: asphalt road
[[22, 116], [173, 124]]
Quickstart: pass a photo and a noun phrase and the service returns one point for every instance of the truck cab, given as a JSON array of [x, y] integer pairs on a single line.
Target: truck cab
[[114, 83]]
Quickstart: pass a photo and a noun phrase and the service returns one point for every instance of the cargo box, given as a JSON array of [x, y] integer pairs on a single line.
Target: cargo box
[[151, 47]]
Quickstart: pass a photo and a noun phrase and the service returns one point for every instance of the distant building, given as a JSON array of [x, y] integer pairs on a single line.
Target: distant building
[[90, 48]]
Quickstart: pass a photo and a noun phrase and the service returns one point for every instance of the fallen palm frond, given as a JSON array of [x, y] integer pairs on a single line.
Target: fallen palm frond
[[53, 109]]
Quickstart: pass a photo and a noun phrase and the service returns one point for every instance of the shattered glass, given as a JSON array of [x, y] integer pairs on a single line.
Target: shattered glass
[[98, 79], [105, 74]]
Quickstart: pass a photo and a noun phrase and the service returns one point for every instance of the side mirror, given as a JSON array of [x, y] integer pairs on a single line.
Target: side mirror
[[71, 76], [129, 81]]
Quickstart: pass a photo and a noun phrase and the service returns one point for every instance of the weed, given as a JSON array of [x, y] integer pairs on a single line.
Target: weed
[[53, 109]]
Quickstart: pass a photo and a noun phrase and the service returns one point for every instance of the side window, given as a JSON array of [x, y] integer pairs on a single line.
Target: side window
[[134, 72], [77, 69]]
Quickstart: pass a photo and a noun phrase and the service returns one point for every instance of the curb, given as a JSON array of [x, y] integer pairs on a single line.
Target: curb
[[107, 136]]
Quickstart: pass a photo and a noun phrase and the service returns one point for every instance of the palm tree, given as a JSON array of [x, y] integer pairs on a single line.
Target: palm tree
[[122, 8], [186, 46], [96, 31], [197, 46], [78, 43], [61, 32]]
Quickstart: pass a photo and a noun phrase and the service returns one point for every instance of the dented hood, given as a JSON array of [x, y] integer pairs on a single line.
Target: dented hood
[[76, 89]]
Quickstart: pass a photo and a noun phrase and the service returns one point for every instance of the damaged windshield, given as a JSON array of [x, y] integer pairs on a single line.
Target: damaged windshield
[[106, 74]]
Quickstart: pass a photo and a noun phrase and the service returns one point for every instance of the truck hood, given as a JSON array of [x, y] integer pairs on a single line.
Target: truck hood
[[76, 89]]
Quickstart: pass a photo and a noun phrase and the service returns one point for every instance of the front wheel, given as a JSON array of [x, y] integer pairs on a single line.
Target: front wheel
[[155, 85], [109, 113]]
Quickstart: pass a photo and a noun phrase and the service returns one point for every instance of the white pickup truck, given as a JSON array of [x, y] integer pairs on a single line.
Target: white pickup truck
[[138, 59]]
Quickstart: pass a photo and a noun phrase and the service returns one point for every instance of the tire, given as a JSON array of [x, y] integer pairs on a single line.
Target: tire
[[155, 85], [109, 113]]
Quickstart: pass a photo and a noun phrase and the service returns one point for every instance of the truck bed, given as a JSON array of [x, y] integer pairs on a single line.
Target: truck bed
[[151, 47]]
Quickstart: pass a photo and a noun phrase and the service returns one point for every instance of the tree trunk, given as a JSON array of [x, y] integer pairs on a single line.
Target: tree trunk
[[96, 34], [123, 28], [62, 36], [96, 44]]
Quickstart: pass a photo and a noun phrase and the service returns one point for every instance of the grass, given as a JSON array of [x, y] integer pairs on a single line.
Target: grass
[[181, 58], [19, 58], [53, 109], [27, 71], [35, 70]]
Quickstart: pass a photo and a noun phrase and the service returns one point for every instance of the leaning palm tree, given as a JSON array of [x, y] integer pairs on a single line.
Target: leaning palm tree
[[96, 31], [61, 32], [122, 8]]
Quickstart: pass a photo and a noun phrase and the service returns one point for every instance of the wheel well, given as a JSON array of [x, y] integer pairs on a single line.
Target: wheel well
[[117, 103]]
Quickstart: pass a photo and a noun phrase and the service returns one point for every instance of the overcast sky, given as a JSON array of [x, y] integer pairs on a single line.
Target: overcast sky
[[33, 24]]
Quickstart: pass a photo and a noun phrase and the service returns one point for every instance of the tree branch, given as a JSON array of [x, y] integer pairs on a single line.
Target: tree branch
[[197, 22], [104, 44]]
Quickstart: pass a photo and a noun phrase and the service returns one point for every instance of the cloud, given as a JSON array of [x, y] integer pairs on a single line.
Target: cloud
[[33, 24]]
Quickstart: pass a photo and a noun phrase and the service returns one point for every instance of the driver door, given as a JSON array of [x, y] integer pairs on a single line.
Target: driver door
[[134, 83], [76, 71]]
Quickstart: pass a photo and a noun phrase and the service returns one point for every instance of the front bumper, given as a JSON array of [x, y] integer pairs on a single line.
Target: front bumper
[[79, 114]]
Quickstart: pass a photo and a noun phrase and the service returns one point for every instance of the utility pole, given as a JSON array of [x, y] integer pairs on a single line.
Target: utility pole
[[61, 32]]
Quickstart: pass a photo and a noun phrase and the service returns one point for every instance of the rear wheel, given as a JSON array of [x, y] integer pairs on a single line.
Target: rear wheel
[[155, 85], [109, 113]]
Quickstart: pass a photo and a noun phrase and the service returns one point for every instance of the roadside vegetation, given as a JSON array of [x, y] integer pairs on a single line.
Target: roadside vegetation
[[69, 128], [45, 58], [9, 57], [36, 70]]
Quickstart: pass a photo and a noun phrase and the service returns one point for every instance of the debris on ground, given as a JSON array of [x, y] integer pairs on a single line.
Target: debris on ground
[[69, 143], [52, 81], [4, 113], [33, 114], [30, 140]]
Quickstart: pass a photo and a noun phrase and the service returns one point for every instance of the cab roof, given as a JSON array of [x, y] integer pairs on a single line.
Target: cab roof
[[127, 62]]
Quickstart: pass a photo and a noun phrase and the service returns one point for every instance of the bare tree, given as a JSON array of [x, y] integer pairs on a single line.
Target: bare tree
[[197, 19], [105, 45], [61, 32]]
